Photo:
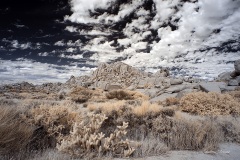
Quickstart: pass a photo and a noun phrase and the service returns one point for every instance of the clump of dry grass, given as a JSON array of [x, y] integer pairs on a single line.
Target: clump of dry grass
[[195, 135], [172, 101], [125, 95], [80, 94], [145, 108], [235, 95], [151, 146], [209, 104], [120, 95], [14, 134], [230, 128], [106, 107]]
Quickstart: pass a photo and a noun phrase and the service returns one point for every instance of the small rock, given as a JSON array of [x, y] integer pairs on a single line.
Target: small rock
[[175, 89], [164, 72], [176, 81]]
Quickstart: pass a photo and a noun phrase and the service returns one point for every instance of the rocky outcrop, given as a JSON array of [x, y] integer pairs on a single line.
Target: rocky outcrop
[[117, 74], [231, 78]]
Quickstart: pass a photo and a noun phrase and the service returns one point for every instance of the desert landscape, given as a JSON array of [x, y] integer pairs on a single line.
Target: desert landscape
[[120, 112]]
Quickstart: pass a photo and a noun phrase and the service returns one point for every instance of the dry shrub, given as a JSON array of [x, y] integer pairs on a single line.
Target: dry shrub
[[14, 135], [86, 138], [51, 122], [151, 146], [146, 107], [119, 94], [195, 135], [80, 94], [230, 128], [125, 95], [209, 104], [106, 107], [172, 101], [50, 155], [188, 134], [235, 94]]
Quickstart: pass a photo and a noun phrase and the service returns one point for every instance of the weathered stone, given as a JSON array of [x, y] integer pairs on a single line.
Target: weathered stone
[[211, 86], [233, 82], [111, 87], [151, 92], [184, 92], [176, 81], [175, 89], [163, 96], [228, 88], [101, 84], [225, 76], [164, 72]]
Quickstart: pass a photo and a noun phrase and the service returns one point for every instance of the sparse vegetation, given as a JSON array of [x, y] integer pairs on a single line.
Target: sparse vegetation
[[15, 135], [210, 104], [116, 124]]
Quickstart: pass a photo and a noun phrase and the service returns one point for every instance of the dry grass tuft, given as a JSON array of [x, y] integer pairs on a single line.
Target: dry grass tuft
[[146, 107], [235, 94], [106, 107], [126, 95], [120, 95], [151, 146], [172, 101], [195, 135], [209, 104], [80, 94], [14, 135]]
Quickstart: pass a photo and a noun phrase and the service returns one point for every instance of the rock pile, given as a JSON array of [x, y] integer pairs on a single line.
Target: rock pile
[[232, 78]]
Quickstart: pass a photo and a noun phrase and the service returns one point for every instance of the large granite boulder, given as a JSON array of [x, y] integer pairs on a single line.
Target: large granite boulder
[[212, 86]]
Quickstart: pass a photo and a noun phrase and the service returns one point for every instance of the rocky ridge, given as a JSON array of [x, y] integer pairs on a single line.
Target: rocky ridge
[[118, 75]]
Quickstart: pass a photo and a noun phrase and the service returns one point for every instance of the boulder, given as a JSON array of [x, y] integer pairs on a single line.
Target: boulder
[[153, 92], [225, 76], [212, 86], [175, 89], [234, 74], [184, 92], [163, 96], [237, 66], [228, 88], [233, 82], [176, 81]]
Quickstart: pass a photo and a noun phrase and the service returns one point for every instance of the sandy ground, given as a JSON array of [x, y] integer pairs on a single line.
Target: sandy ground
[[227, 151]]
